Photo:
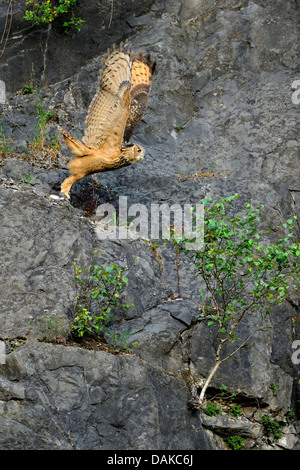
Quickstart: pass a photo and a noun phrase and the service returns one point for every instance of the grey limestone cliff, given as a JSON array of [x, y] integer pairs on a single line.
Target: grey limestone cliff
[[221, 105]]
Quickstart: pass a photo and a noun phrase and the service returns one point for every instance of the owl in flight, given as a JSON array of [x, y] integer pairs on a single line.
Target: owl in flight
[[113, 115]]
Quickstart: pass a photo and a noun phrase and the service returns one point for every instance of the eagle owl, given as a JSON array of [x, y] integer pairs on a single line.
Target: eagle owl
[[113, 115]]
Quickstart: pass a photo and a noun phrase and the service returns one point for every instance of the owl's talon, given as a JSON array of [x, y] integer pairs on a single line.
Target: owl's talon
[[67, 195]]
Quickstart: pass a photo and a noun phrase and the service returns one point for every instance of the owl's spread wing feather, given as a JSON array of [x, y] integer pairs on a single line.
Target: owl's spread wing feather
[[141, 80], [110, 107]]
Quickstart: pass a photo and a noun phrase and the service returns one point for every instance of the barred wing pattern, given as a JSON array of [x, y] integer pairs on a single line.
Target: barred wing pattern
[[110, 108], [141, 80]]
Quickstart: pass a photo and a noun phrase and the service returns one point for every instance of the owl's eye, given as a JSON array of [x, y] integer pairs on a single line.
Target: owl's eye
[[138, 150]]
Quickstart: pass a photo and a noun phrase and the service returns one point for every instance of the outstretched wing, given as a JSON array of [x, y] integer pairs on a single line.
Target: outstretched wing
[[141, 79], [110, 107]]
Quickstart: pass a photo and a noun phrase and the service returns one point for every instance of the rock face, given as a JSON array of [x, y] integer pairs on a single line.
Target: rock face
[[65, 398], [221, 105]]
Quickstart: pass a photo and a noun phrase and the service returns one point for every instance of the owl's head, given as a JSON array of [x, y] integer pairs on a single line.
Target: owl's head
[[133, 153]]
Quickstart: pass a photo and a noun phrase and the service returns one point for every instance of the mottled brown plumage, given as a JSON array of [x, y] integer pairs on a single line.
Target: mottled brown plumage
[[141, 80], [113, 115]]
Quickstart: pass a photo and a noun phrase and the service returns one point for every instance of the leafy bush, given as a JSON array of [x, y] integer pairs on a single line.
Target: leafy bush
[[97, 292], [271, 426], [44, 12], [235, 442], [212, 409], [236, 410]]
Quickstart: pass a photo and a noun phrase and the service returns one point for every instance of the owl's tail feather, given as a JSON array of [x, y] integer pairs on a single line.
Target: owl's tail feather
[[77, 147]]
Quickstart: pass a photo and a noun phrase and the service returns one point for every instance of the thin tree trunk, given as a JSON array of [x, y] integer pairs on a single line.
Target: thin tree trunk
[[207, 382], [217, 365]]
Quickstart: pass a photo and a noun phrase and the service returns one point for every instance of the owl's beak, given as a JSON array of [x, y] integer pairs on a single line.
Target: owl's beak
[[141, 155]]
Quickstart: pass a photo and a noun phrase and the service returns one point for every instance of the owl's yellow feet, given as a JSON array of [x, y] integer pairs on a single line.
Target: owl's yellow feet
[[66, 185]]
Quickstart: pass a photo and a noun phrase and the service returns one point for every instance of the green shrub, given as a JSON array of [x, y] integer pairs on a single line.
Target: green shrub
[[48, 326], [97, 292], [271, 426], [5, 144], [273, 388], [44, 12], [212, 409], [236, 410], [235, 442]]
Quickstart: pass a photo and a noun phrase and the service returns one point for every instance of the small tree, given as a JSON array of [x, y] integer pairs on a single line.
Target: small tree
[[243, 274]]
